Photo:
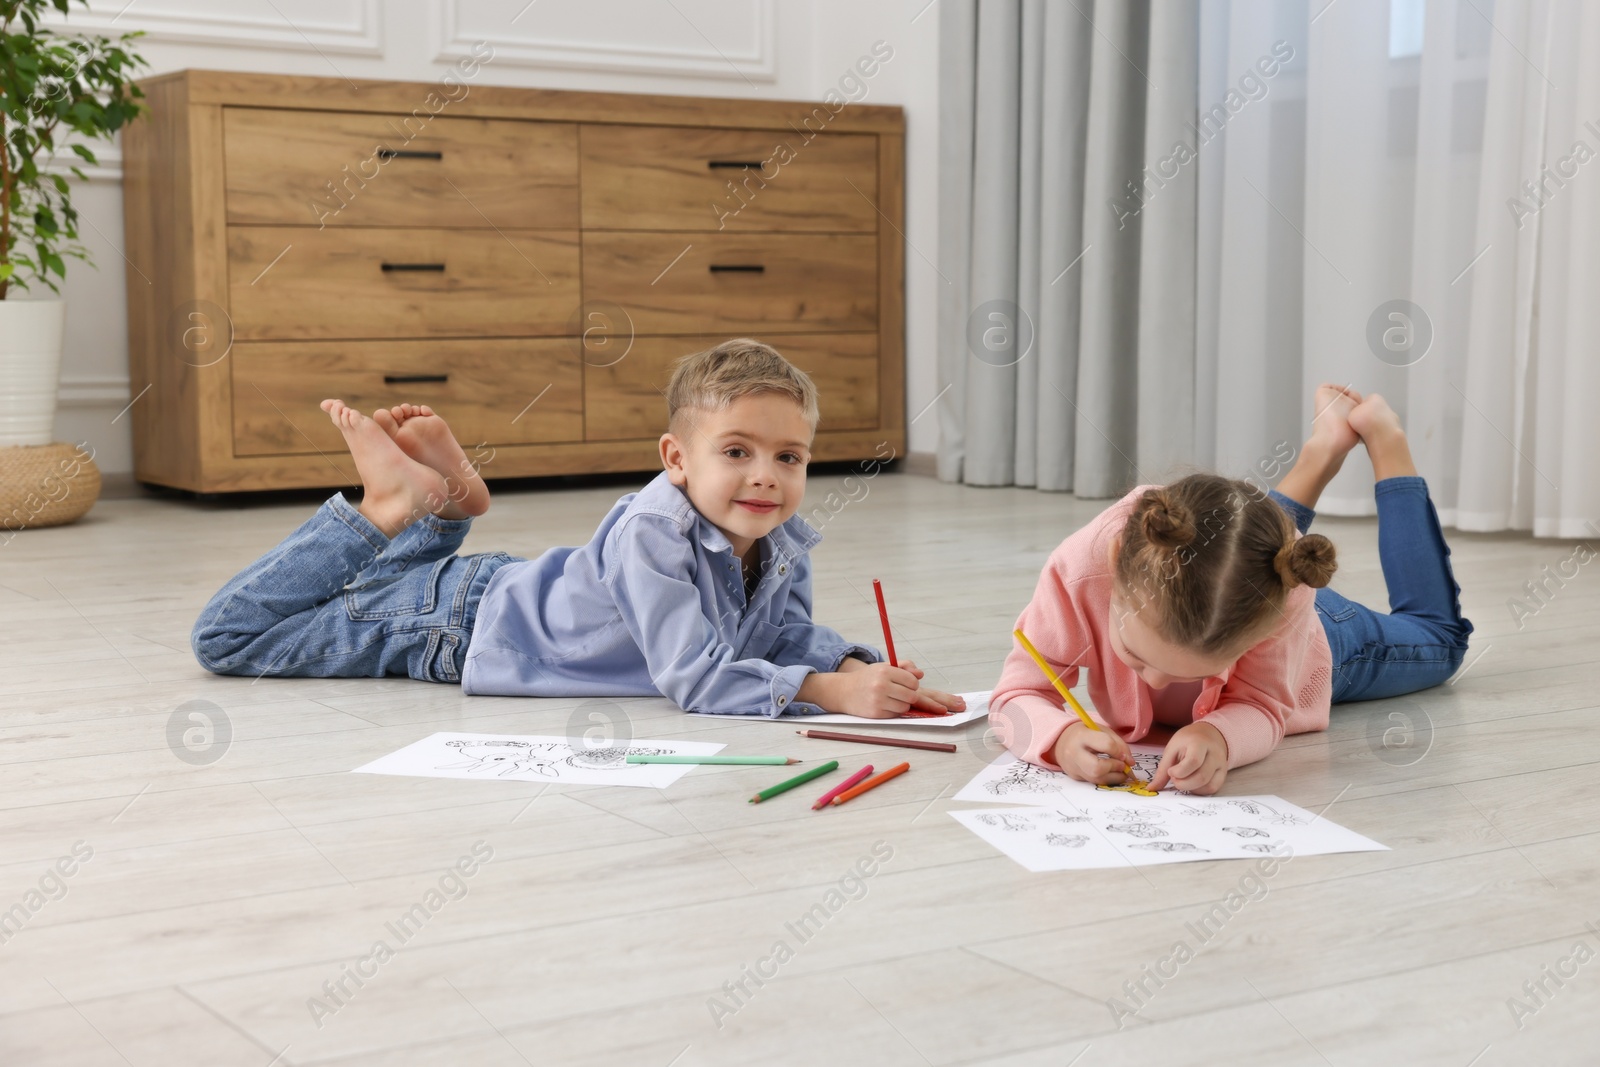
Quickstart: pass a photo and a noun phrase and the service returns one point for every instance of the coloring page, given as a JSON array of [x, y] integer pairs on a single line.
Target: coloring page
[[1120, 828], [510, 758], [977, 708]]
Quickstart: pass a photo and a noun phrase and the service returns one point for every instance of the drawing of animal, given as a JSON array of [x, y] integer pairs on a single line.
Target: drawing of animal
[[1067, 840], [1247, 831], [1170, 846], [543, 758], [1006, 821], [1137, 829], [1022, 777], [1266, 811], [1200, 809], [1257, 848]]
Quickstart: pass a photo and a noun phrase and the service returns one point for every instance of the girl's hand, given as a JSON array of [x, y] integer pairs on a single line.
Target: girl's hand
[[1195, 760], [1078, 752]]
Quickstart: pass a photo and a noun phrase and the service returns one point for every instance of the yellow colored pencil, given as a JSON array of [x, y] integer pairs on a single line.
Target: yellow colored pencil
[[1055, 680]]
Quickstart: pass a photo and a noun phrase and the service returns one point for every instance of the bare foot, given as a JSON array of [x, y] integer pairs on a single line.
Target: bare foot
[[398, 489], [1380, 430], [1330, 419], [1331, 440], [426, 438]]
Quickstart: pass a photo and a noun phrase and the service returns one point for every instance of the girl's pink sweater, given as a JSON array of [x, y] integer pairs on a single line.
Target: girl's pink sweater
[[1280, 686]]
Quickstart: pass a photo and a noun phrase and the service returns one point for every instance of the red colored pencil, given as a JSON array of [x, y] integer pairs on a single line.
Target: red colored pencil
[[872, 783], [883, 613], [853, 780]]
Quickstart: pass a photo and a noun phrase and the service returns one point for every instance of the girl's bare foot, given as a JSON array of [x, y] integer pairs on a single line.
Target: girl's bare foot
[[426, 438], [1331, 440], [1380, 430], [1331, 431], [398, 489]]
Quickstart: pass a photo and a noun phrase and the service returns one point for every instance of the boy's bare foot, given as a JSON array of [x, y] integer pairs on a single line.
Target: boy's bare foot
[[426, 438], [1380, 430], [398, 489]]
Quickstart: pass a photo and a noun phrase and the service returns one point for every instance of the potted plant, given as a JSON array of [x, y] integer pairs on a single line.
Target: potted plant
[[52, 86]]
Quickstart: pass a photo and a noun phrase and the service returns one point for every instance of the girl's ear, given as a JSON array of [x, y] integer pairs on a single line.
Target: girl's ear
[[672, 458]]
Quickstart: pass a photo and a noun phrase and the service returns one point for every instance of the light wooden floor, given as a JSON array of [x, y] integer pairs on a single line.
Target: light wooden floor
[[219, 898]]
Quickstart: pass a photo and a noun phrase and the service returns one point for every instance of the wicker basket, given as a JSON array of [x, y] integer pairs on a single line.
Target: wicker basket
[[46, 485]]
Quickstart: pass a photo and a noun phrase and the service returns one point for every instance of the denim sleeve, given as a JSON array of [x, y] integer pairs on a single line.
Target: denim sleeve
[[689, 661], [802, 641]]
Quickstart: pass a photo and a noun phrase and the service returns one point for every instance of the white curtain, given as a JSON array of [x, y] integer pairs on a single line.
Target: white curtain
[[1170, 220]]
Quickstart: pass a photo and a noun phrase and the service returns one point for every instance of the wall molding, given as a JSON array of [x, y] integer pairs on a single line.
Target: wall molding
[[362, 36], [761, 66], [93, 391], [109, 169]]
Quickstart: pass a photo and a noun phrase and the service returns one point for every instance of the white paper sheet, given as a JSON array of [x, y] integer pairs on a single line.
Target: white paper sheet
[[537, 758], [1009, 780], [1071, 825], [977, 708]]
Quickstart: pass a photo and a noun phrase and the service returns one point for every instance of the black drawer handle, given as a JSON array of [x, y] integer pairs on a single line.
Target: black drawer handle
[[414, 266], [737, 268], [410, 379], [733, 164], [386, 154]]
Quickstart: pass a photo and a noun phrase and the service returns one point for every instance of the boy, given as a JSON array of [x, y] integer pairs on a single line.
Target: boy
[[696, 588]]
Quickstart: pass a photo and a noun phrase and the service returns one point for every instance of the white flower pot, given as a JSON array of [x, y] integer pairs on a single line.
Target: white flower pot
[[30, 369]]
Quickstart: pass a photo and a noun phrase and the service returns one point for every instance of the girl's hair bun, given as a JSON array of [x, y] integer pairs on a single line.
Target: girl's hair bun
[[1167, 523], [1308, 560]]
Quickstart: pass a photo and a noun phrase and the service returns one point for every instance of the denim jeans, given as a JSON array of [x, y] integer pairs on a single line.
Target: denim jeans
[[1422, 640], [338, 599]]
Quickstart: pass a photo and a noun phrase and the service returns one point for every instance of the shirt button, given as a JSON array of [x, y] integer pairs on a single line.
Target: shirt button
[[783, 568], [782, 701]]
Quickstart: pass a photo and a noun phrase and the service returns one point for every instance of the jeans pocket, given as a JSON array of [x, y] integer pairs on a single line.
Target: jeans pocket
[[1336, 610], [442, 660], [414, 592]]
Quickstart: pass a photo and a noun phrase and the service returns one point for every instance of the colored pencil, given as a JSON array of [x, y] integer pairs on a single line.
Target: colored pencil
[[764, 761], [874, 739], [883, 613], [1061, 688], [872, 783], [853, 780], [1055, 680], [799, 779]]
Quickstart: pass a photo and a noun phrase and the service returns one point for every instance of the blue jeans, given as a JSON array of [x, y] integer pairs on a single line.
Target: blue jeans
[[1422, 640], [338, 599]]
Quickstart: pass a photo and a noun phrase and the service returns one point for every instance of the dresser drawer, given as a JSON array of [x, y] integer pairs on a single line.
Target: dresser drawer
[[695, 284], [623, 399], [496, 392], [666, 178], [316, 168], [294, 283]]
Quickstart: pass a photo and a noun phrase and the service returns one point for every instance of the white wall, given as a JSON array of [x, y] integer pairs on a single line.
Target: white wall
[[793, 49]]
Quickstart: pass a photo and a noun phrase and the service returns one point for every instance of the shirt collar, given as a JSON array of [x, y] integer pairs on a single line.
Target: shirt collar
[[788, 542]]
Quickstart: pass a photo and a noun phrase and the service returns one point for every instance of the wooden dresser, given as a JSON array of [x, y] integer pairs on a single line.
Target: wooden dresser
[[529, 262]]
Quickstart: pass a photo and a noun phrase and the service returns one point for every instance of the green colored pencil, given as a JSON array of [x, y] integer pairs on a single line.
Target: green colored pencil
[[765, 761], [799, 779]]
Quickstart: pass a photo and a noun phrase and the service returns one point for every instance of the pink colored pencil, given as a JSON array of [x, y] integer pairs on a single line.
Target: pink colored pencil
[[849, 782]]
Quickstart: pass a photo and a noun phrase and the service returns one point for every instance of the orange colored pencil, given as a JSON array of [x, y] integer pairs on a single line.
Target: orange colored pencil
[[872, 783]]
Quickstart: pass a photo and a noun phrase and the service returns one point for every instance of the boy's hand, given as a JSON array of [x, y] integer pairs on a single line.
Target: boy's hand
[[1196, 760], [1078, 751], [933, 700]]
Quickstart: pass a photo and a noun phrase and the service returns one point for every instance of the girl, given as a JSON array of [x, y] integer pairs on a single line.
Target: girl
[[1201, 605]]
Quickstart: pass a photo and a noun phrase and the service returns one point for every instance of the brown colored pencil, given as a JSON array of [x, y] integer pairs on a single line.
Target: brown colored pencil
[[872, 783], [874, 739]]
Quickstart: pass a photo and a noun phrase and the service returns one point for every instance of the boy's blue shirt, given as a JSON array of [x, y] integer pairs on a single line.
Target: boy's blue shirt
[[655, 604]]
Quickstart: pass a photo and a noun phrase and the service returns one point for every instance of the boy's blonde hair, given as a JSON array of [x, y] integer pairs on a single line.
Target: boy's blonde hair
[[715, 378]]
